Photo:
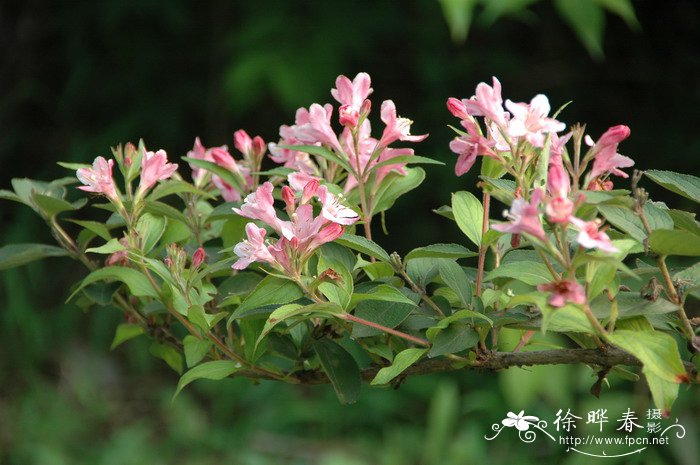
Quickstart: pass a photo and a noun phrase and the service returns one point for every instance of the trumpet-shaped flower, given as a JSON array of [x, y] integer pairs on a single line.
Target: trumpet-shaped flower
[[98, 179], [396, 128], [607, 160], [351, 95], [154, 168], [333, 210], [318, 128], [563, 292], [525, 217], [259, 205], [590, 237], [531, 121], [252, 149], [487, 102], [469, 147], [252, 249]]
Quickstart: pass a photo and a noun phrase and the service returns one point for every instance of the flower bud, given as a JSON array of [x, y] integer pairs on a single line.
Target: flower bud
[[242, 142], [457, 108], [309, 191], [198, 257], [348, 116], [614, 135], [288, 197]]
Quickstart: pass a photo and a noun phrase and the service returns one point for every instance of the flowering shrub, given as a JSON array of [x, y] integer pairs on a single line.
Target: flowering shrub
[[273, 274]]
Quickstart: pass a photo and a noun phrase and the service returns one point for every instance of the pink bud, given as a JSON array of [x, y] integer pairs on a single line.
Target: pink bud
[[614, 135], [457, 108], [366, 107], [558, 181], [330, 233], [288, 197], [223, 158], [259, 146], [198, 257], [168, 262], [309, 191], [242, 141]]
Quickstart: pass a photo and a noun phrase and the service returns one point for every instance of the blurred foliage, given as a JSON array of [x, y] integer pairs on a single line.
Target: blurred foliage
[[585, 17], [78, 77]]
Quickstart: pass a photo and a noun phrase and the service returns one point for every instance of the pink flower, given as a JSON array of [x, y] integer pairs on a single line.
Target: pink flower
[[259, 205], [388, 154], [396, 128], [252, 249], [469, 147], [98, 179], [589, 236], [564, 291], [351, 95], [530, 120], [318, 128], [303, 226], [333, 210], [487, 102], [154, 168], [607, 160], [524, 217], [558, 183]]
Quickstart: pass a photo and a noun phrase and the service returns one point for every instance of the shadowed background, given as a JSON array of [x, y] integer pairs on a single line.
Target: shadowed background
[[79, 77]]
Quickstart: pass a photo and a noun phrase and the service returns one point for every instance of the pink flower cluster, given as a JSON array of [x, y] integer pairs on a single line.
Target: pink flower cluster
[[154, 167], [253, 150], [301, 234], [313, 126]]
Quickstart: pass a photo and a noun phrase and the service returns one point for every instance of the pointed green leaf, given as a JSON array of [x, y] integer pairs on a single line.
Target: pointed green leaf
[[682, 184], [215, 370], [14, 255], [341, 369], [441, 251], [124, 332], [363, 245], [402, 361], [469, 215], [271, 290]]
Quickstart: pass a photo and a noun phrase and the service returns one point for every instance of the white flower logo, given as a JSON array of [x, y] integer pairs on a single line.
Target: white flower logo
[[520, 421]]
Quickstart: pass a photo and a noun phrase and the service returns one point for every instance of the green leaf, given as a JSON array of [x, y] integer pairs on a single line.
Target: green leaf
[[341, 369], [441, 251], [138, 285], [168, 354], [685, 221], [317, 310], [631, 304], [456, 279], [682, 184], [394, 186], [9, 195], [675, 242], [402, 361], [455, 338], [469, 215], [73, 166], [660, 358], [51, 206], [663, 392], [197, 315], [459, 14], [163, 209], [389, 314], [532, 273], [364, 246], [150, 228], [100, 229], [173, 186], [622, 8], [14, 255], [587, 20], [341, 289], [195, 349], [625, 220], [322, 152], [124, 332], [229, 177], [384, 293], [271, 290], [459, 316], [407, 159], [112, 245], [422, 270], [215, 370]]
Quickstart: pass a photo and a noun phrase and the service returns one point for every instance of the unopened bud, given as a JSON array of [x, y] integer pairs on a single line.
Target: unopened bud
[[198, 257]]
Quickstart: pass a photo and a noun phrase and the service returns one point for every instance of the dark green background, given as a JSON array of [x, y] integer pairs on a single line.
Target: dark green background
[[79, 77]]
